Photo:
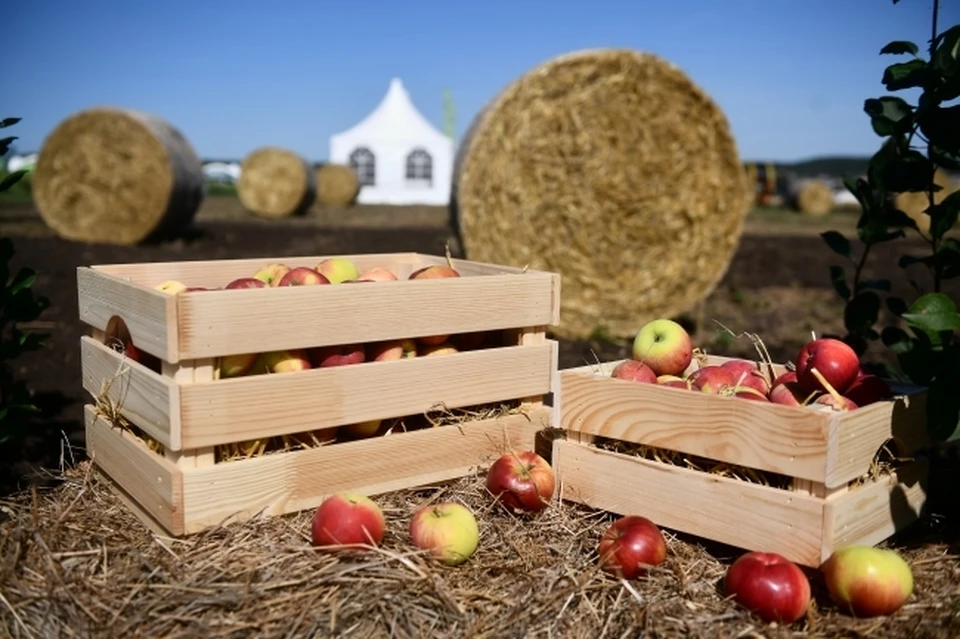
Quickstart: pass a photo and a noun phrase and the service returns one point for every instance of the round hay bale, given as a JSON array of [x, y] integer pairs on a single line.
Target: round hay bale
[[276, 183], [612, 168], [337, 185], [914, 204], [117, 176], [812, 197]]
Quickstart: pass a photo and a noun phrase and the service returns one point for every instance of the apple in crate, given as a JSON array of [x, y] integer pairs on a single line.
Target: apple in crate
[[630, 546], [675, 381], [435, 271], [835, 360], [712, 379], [786, 391], [867, 581], [361, 430], [521, 481], [377, 274], [171, 287], [337, 269], [868, 389], [448, 531], [391, 350], [271, 274], [302, 276], [663, 345], [245, 282], [347, 518], [286, 361], [237, 365], [337, 355], [769, 585], [747, 374], [439, 349], [634, 371]]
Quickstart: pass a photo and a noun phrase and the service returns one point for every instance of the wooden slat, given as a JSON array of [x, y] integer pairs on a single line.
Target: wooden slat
[[288, 482], [230, 410], [745, 515], [293, 317], [758, 435], [151, 316], [869, 514], [155, 483], [149, 400]]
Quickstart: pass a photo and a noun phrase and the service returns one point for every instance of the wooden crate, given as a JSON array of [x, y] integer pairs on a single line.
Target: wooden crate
[[188, 414], [822, 500]]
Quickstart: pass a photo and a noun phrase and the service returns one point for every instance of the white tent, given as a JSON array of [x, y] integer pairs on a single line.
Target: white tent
[[399, 157]]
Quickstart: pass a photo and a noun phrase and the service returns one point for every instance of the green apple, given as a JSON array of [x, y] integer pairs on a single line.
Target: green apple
[[664, 346], [272, 273], [338, 269], [868, 581], [448, 531]]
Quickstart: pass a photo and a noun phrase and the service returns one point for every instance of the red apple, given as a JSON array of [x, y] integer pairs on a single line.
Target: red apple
[[747, 392], [142, 357], [348, 518], [868, 389], [769, 585], [663, 345], [302, 276], [789, 376], [634, 371], [787, 393], [712, 379], [674, 381], [435, 271], [337, 269], [832, 358], [448, 531], [433, 340], [747, 374], [272, 273], [440, 349], [838, 404], [337, 355], [391, 350], [867, 581], [630, 546], [245, 282], [522, 481], [377, 274]]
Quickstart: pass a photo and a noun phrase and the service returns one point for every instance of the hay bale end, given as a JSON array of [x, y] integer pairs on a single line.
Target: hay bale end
[[811, 197], [915, 204], [337, 185], [276, 183]]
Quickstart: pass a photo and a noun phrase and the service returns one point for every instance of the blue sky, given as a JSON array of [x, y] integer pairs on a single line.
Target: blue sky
[[790, 75]]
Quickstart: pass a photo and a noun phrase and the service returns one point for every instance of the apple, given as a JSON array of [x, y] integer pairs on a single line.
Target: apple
[[142, 357], [832, 358], [867, 581], [521, 481], [337, 355], [337, 269], [435, 271], [630, 546], [347, 518], [448, 531], [748, 392], [788, 376], [664, 346], [674, 381], [237, 365], [769, 585], [246, 282], [788, 392], [391, 350], [839, 403], [190, 289], [747, 374], [469, 341], [377, 274], [634, 371], [302, 276], [271, 274], [171, 287], [712, 379], [361, 430], [440, 349], [286, 361], [868, 389]]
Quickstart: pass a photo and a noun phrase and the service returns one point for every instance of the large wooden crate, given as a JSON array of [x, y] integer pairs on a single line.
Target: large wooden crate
[[164, 457], [823, 495]]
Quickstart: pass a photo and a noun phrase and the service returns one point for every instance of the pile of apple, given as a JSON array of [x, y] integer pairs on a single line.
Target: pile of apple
[[827, 374]]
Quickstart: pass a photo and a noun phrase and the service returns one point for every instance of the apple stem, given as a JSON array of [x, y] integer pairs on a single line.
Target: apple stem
[[830, 389]]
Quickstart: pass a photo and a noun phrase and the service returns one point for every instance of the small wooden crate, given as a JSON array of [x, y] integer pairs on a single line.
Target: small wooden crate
[[186, 412], [823, 499]]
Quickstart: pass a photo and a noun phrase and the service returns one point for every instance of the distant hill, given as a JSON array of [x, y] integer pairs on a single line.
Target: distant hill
[[836, 166]]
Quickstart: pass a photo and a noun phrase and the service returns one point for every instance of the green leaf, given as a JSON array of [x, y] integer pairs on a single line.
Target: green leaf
[[876, 285], [896, 306], [941, 126], [861, 190], [837, 243], [933, 312], [900, 47], [4, 123], [5, 144], [10, 179], [885, 155], [946, 58], [944, 215], [889, 114], [905, 75], [896, 339], [906, 261], [839, 280], [24, 279], [862, 312], [949, 160], [948, 257], [910, 173]]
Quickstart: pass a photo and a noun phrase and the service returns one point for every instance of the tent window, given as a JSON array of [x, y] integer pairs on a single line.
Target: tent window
[[420, 166], [364, 164]]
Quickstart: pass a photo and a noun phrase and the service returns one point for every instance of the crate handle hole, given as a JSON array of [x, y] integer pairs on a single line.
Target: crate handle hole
[[117, 335]]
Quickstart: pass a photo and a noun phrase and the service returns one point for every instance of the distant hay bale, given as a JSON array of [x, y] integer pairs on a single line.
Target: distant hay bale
[[612, 168], [337, 185], [812, 197], [914, 204], [117, 176], [276, 183]]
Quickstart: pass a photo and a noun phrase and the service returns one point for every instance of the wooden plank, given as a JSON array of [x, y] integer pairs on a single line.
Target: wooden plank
[[218, 273], [149, 400], [289, 482], [230, 410], [745, 515], [155, 483], [765, 436], [870, 513], [189, 372], [150, 316], [303, 316]]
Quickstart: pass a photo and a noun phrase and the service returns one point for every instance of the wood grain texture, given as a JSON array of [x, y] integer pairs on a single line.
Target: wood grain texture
[[230, 410], [288, 482], [745, 515]]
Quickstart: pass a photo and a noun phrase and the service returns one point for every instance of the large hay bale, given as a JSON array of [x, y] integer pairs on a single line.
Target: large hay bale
[[915, 204], [612, 168], [276, 183], [117, 176], [811, 197], [337, 185]]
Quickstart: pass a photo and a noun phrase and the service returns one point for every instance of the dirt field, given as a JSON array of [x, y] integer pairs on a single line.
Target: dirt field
[[777, 286]]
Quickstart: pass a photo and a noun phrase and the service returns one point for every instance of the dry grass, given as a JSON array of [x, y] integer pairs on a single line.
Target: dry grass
[[276, 183]]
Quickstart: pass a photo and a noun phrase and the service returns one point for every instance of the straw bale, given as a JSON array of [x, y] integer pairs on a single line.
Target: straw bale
[[612, 168], [812, 197], [337, 185], [117, 176], [276, 183], [915, 204]]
